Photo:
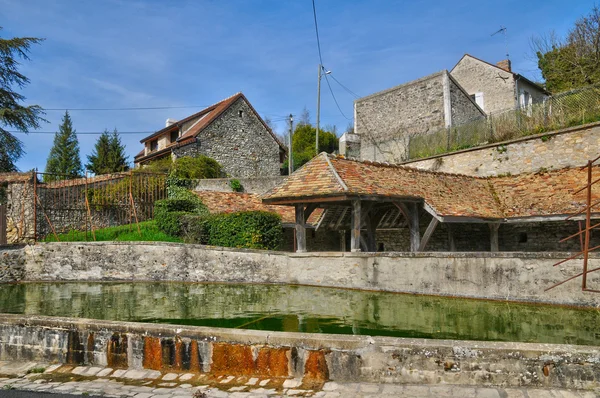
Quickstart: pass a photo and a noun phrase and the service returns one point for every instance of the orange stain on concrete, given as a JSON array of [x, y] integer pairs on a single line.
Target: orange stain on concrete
[[315, 368], [232, 359], [273, 362], [116, 351], [195, 365], [152, 353], [178, 357]]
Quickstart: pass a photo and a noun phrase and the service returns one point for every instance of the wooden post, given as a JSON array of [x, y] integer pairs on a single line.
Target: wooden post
[[428, 232], [494, 237], [343, 240], [355, 224], [415, 235], [451, 241], [300, 229]]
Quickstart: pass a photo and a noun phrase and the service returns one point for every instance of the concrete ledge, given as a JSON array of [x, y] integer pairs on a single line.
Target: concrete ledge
[[314, 358]]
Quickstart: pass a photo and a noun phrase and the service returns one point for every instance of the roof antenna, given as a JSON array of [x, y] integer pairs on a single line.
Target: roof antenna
[[503, 31]]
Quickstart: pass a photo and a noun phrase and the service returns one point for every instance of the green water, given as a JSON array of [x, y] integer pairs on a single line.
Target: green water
[[305, 309]]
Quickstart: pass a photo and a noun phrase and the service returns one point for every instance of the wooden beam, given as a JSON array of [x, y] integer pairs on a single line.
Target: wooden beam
[[355, 225], [343, 240], [300, 229], [428, 232], [411, 213], [494, 236], [308, 210], [342, 216]]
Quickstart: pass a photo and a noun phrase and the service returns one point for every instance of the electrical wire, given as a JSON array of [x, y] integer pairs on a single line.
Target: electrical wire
[[344, 87], [335, 99], [317, 32], [82, 133]]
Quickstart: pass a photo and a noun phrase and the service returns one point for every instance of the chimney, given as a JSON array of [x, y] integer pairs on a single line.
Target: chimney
[[170, 122], [504, 64]]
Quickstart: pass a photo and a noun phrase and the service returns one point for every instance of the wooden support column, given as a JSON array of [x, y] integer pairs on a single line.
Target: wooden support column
[[494, 237], [451, 241], [428, 232], [355, 224], [411, 212], [300, 229], [343, 240]]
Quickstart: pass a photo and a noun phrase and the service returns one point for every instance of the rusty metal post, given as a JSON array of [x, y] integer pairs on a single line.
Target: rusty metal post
[[34, 205], [588, 215]]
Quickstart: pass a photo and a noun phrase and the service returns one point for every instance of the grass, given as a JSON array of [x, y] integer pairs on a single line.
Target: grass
[[122, 233]]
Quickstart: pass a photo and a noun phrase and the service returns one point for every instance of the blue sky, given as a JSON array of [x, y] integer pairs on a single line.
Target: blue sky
[[132, 53]]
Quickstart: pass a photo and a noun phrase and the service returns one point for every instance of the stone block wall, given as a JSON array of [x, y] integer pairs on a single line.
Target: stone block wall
[[389, 117], [19, 217], [463, 108], [497, 86], [569, 147], [240, 142]]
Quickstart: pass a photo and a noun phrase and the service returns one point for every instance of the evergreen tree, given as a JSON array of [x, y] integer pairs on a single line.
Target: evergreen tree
[[64, 156], [108, 155], [12, 114]]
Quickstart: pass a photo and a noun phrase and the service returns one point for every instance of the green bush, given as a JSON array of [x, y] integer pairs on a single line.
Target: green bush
[[236, 185], [168, 212], [248, 229], [193, 228], [193, 168]]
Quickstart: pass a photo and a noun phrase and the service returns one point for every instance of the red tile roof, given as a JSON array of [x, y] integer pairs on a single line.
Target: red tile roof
[[229, 202], [448, 195]]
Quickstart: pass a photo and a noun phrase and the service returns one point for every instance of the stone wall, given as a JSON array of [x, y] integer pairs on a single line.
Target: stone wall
[[312, 359], [569, 147], [240, 142], [501, 276], [19, 213], [463, 108], [257, 185], [497, 86], [384, 120]]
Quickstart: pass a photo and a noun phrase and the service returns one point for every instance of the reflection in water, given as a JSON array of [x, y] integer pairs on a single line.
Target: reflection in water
[[304, 309]]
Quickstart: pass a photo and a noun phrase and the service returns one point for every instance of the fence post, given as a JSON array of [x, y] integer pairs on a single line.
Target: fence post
[[34, 196]]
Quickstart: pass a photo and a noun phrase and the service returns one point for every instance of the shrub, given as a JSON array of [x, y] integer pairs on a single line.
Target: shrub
[[191, 168], [193, 228], [236, 185], [168, 212], [248, 229]]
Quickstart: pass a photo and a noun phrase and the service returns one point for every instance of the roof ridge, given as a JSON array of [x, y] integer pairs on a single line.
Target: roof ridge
[[335, 173]]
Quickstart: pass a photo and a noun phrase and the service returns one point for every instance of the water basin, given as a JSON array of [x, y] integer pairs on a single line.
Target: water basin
[[305, 309]]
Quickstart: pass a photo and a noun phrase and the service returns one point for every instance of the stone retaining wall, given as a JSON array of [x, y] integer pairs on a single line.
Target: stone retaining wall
[[569, 147], [258, 185], [499, 276], [312, 358]]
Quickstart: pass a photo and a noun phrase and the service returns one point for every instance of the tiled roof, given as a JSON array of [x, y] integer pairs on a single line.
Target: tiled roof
[[15, 177], [448, 195], [229, 202]]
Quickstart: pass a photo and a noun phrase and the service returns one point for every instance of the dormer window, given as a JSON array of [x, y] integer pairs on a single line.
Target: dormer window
[[174, 136], [153, 145]]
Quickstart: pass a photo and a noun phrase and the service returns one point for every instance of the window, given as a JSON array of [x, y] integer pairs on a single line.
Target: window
[[241, 113], [478, 98], [174, 135], [153, 145], [525, 101]]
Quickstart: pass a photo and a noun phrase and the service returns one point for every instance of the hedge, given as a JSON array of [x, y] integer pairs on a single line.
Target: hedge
[[168, 213], [246, 229]]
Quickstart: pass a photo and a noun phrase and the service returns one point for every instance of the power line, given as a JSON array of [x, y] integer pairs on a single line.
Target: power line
[[82, 133], [317, 31], [345, 88], [146, 108], [335, 99]]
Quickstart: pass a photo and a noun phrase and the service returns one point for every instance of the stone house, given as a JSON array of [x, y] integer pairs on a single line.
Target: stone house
[[496, 88], [384, 121], [230, 131]]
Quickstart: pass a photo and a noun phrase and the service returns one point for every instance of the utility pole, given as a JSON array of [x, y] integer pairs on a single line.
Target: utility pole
[[290, 156], [318, 109]]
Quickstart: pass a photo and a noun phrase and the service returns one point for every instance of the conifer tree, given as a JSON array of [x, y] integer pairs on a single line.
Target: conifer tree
[[12, 113], [108, 155], [63, 159]]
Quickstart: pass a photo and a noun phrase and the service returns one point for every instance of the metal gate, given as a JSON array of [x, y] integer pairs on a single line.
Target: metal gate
[[3, 225]]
